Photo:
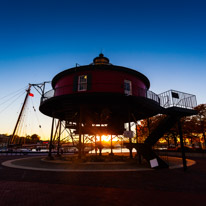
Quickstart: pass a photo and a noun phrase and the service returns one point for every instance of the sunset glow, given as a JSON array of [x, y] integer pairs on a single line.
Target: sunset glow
[[107, 138]]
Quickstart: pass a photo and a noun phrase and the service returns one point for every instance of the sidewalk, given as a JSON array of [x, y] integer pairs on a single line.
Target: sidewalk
[[156, 187]]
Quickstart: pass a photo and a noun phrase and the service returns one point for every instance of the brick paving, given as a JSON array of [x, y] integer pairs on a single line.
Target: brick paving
[[160, 187]]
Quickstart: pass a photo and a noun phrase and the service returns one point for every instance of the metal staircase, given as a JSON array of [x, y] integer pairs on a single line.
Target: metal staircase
[[148, 154], [176, 105]]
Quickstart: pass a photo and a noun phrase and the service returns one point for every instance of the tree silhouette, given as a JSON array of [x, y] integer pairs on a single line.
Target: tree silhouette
[[34, 138]]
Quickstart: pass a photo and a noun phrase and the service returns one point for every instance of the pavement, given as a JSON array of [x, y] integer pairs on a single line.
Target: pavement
[[42, 163], [150, 187]]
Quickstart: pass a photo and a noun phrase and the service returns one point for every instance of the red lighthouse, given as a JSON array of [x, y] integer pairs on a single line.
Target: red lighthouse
[[100, 98]]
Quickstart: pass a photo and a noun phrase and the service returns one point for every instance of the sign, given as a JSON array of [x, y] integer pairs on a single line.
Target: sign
[[128, 134], [175, 95], [154, 163]]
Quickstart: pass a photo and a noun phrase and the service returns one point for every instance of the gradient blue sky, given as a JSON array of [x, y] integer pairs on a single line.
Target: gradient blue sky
[[165, 40]]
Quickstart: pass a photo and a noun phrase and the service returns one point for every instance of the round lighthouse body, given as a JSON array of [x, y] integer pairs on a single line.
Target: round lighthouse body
[[100, 94]]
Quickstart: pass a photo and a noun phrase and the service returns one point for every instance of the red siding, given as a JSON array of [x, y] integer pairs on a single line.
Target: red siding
[[102, 81]]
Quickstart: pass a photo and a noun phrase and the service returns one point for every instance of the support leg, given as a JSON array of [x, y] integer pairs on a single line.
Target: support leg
[[111, 146], [80, 133], [50, 143], [58, 143], [100, 146], [130, 139], [182, 146]]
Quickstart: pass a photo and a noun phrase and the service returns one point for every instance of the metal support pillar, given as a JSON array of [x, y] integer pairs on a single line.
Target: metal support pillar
[[182, 146], [138, 154], [100, 145], [83, 144], [130, 138], [80, 134], [58, 141], [148, 125], [95, 144], [136, 133], [111, 146], [50, 143]]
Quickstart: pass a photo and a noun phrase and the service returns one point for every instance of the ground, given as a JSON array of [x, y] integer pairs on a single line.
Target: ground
[[156, 187]]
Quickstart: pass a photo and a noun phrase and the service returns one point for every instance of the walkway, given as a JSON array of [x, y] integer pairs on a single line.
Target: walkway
[[42, 164], [157, 187]]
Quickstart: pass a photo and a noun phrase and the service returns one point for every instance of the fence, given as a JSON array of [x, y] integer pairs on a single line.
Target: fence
[[174, 98], [137, 91]]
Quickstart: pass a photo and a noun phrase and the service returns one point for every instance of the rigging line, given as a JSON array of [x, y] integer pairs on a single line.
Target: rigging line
[[35, 111], [13, 119], [27, 115], [10, 104], [16, 137], [21, 124], [13, 92], [11, 97]]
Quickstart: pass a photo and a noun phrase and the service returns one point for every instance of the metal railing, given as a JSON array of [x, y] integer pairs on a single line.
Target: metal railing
[[47, 95], [166, 99], [174, 98], [153, 96], [136, 90]]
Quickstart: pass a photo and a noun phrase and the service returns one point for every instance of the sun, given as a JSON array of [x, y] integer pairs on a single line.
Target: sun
[[104, 138], [107, 138]]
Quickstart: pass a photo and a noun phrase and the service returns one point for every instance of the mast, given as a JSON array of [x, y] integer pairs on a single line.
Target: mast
[[20, 114]]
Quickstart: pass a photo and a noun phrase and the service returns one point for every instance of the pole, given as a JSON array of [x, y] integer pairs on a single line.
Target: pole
[[50, 143], [182, 146], [83, 143], [148, 125], [139, 155], [58, 142], [111, 146], [121, 143], [136, 132], [95, 144], [100, 145], [130, 138], [20, 114], [80, 133]]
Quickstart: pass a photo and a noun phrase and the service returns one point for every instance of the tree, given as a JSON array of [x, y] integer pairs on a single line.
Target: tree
[[34, 138], [201, 119]]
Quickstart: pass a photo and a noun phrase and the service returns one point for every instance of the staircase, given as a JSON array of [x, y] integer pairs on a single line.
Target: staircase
[[148, 154], [173, 116], [164, 126]]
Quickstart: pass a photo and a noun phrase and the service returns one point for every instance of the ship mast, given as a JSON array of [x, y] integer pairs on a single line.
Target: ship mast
[[20, 115]]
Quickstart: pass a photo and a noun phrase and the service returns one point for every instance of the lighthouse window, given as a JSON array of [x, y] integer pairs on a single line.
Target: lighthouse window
[[127, 87], [82, 83]]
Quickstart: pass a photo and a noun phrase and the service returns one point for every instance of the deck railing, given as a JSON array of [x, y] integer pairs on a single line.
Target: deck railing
[[137, 91], [166, 99], [47, 95], [174, 98]]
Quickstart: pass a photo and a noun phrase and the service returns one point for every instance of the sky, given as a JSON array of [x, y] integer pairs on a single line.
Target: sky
[[164, 40]]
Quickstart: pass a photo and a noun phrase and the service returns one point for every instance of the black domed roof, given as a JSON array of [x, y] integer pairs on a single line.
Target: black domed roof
[[101, 59]]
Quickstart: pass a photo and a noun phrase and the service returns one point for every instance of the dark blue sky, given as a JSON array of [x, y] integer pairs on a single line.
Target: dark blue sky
[[37, 28], [165, 40]]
